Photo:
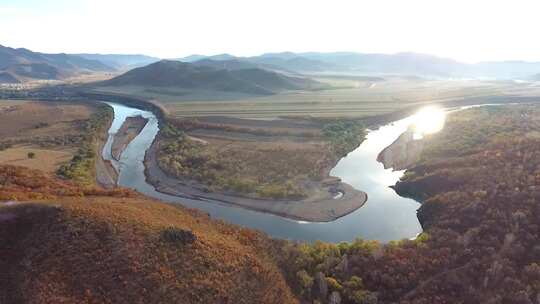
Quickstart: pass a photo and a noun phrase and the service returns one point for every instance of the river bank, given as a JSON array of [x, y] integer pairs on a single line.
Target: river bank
[[385, 216], [322, 207], [106, 173]]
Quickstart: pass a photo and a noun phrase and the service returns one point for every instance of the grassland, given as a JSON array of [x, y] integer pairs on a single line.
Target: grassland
[[47, 160], [351, 97], [49, 130], [63, 137]]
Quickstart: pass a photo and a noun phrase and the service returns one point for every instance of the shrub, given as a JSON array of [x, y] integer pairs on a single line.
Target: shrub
[[31, 155], [81, 166], [305, 281], [344, 136], [178, 236], [333, 284]]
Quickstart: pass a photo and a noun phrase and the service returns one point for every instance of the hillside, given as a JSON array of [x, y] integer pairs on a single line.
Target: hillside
[[535, 77], [231, 64], [192, 76], [218, 57], [478, 179], [23, 64], [65, 244], [286, 62], [296, 63], [6, 77]]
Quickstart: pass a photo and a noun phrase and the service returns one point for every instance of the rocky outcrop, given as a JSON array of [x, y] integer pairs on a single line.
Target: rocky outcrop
[[402, 153]]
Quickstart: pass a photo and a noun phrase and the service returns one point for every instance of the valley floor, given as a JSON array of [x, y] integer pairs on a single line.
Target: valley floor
[[479, 179]]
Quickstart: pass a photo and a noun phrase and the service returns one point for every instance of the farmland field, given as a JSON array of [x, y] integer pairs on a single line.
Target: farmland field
[[51, 131], [351, 97], [47, 160]]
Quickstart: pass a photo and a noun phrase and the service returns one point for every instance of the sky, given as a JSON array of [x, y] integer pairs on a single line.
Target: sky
[[468, 31]]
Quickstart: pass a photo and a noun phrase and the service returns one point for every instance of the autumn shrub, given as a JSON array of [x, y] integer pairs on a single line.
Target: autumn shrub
[[178, 236], [182, 157], [344, 136]]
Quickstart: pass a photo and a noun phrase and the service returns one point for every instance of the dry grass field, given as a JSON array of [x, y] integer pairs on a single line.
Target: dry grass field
[[351, 97], [248, 156], [49, 130], [46, 160], [25, 119]]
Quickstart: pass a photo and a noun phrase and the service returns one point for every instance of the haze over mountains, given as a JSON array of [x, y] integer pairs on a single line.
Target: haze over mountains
[[17, 65], [120, 61], [380, 64], [20, 65]]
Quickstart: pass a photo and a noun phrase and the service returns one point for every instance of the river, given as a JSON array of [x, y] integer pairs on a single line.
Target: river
[[385, 216]]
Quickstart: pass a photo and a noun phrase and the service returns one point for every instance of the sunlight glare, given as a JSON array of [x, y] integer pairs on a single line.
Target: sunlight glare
[[428, 121]]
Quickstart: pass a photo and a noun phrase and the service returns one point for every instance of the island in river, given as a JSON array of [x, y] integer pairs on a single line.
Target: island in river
[[329, 200], [127, 132], [277, 166]]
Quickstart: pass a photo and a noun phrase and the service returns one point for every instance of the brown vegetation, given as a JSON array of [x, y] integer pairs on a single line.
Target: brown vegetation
[[40, 119], [47, 160], [73, 245], [480, 179], [81, 168], [266, 160], [63, 133]]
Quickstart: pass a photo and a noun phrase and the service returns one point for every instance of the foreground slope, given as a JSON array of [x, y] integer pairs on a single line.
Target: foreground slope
[[65, 244]]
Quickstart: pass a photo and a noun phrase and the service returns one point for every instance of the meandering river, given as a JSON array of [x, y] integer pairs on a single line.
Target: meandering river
[[385, 216]]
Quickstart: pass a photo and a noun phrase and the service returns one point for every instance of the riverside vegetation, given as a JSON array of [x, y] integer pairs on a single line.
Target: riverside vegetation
[[187, 158], [276, 173], [81, 167], [56, 133]]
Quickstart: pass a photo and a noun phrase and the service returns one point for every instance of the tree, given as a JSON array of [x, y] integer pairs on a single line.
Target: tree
[[31, 155], [305, 280]]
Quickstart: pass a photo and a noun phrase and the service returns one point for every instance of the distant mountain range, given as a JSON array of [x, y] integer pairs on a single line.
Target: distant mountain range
[[230, 76], [20, 65], [17, 65], [381, 64], [293, 63]]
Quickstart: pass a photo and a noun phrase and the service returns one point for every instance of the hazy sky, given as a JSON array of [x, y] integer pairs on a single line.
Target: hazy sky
[[471, 30]]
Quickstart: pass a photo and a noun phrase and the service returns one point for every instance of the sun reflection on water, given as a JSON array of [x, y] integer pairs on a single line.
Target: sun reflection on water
[[428, 121]]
